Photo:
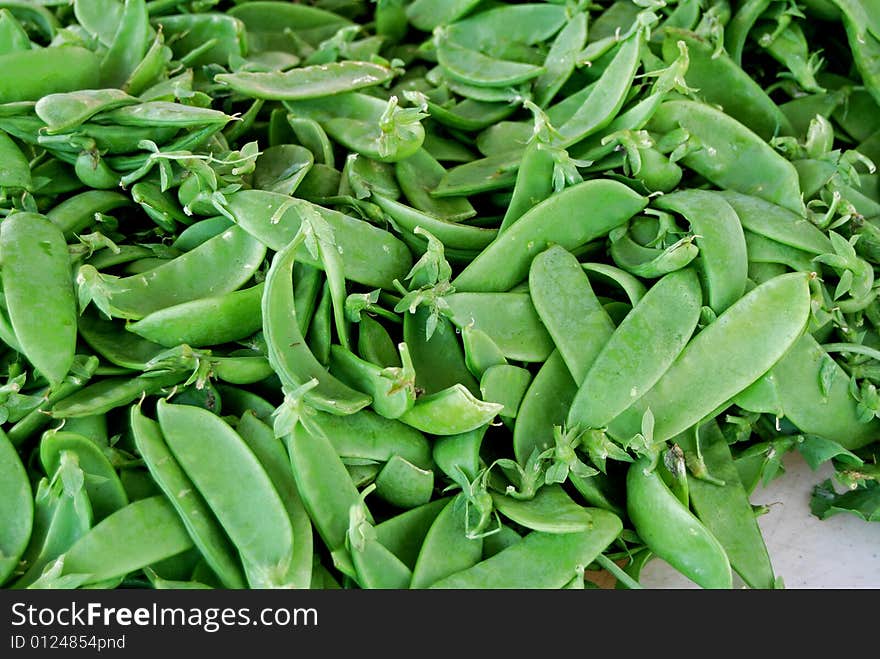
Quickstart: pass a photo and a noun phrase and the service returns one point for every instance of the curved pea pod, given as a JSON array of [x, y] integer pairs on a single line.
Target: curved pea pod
[[561, 59], [495, 172], [741, 23], [725, 509], [370, 255], [459, 454], [727, 356], [206, 321], [102, 483], [439, 359], [269, 23], [722, 144], [761, 249], [583, 212], [814, 393], [367, 435], [15, 171], [651, 262], [364, 124], [446, 549], [110, 341], [569, 309], [449, 412], [551, 510], [258, 525], [428, 14], [777, 223], [78, 212], [37, 72], [281, 168], [375, 345], [509, 319], [534, 182], [112, 392], [480, 351], [505, 384], [451, 234], [316, 81], [217, 266], [474, 68], [141, 534], [540, 560], [639, 351], [671, 531], [39, 293], [191, 32], [16, 508], [606, 273], [13, 37], [392, 389], [403, 484], [162, 208], [376, 567], [417, 176], [723, 260], [722, 82], [404, 533], [202, 526], [288, 352]]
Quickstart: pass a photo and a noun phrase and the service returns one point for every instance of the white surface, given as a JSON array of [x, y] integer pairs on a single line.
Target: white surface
[[842, 551]]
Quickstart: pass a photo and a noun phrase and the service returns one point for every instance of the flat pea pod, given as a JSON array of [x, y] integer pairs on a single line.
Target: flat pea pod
[[102, 483], [671, 531], [282, 167], [539, 560], [551, 510], [428, 14], [16, 508], [606, 273], [48, 71], [39, 293], [15, 170], [450, 411], [375, 345], [505, 262], [417, 176], [258, 525], [723, 260], [473, 67], [480, 351], [569, 309], [204, 322], [639, 351], [13, 37], [370, 255], [316, 81], [141, 534], [495, 172], [288, 352], [447, 549], [112, 392], [198, 232], [403, 484], [65, 111], [534, 182], [78, 212], [766, 250], [163, 113], [736, 349], [459, 454], [509, 319], [725, 143], [110, 341], [193, 275], [404, 533], [725, 509], [202, 526], [439, 359], [375, 565], [269, 23], [651, 262], [505, 384], [561, 59], [392, 390], [741, 23]]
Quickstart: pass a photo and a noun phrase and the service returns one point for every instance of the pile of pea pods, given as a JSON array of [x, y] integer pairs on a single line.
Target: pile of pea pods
[[433, 294]]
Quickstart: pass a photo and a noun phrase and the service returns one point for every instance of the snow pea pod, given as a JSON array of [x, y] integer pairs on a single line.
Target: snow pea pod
[[505, 384], [418, 175], [258, 525], [605, 273], [281, 168], [202, 526], [32, 74], [270, 24], [141, 534], [316, 81], [551, 510], [569, 309], [370, 255], [447, 549], [540, 560], [392, 390], [110, 340], [404, 533], [16, 508], [737, 348], [214, 37], [39, 292], [289, 354], [112, 392], [450, 411], [494, 172], [474, 68], [766, 250], [671, 531], [725, 142], [404, 485], [15, 171], [78, 212], [561, 59], [639, 351], [217, 266], [439, 359], [741, 23], [534, 182], [163, 113], [505, 262], [206, 321]]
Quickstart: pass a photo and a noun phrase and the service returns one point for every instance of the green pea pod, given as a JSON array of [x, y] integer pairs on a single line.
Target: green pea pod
[[651, 262], [404, 533], [723, 143], [151, 68], [264, 540], [428, 14], [474, 68], [539, 560], [495, 172], [480, 351], [110, 393], [206, 321], [569, 309], [447, 549], [640, 350], [102, 483], [15, 171], [671, 531], [723, 260], [110, 341], [202, 526], [392, 390], [505, 384], [317, 81], [505, 262], [450, 412], [163, 113], [561, 59], [439, 358], [741, 23], [551, 510], [755, 333], [204, 38], [141, 534], [605, 273], [38, 72], [375, 345], [190, 276], [94, 171], [370, 255], [16, 508], [418, 175], [725, 509], [508, 26], [162, 208], [78, 212], [289, 354], [39, 292], [403, 484], [766, 250], [534, 182], [131, 40], [13, 37], [459, 454], [282, 168]]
